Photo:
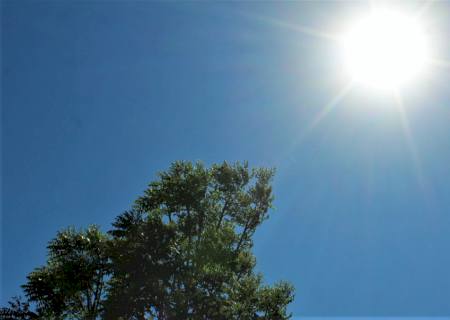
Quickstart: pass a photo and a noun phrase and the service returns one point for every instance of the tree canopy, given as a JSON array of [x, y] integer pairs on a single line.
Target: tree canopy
[[183, 251]]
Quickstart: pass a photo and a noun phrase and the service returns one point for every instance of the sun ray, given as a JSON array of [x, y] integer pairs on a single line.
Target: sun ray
[[281, 162], [409, 139], [329, 107], [295, 27]]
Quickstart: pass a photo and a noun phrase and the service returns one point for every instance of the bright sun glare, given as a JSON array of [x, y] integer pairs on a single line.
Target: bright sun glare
[[385, 50]]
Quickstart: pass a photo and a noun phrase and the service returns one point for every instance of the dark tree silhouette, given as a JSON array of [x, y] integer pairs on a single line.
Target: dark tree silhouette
[[17, 310]]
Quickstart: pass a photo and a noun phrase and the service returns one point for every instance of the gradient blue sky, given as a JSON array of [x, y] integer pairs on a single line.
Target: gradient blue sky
[[98, 96]]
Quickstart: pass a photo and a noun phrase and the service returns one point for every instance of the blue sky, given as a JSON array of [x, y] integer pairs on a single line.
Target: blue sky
[[98, 96]]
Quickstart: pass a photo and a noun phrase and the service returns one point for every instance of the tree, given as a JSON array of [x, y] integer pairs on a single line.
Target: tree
[[183, 251], [17, 310], [72, 284]]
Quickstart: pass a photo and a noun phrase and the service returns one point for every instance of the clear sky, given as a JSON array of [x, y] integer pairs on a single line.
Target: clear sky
[[97, 96]]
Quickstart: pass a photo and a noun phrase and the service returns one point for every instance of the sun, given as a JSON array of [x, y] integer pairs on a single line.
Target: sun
[[385, 50]]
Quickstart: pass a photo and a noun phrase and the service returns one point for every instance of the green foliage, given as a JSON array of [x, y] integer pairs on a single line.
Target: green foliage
[[72, 284], [182, 252]]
